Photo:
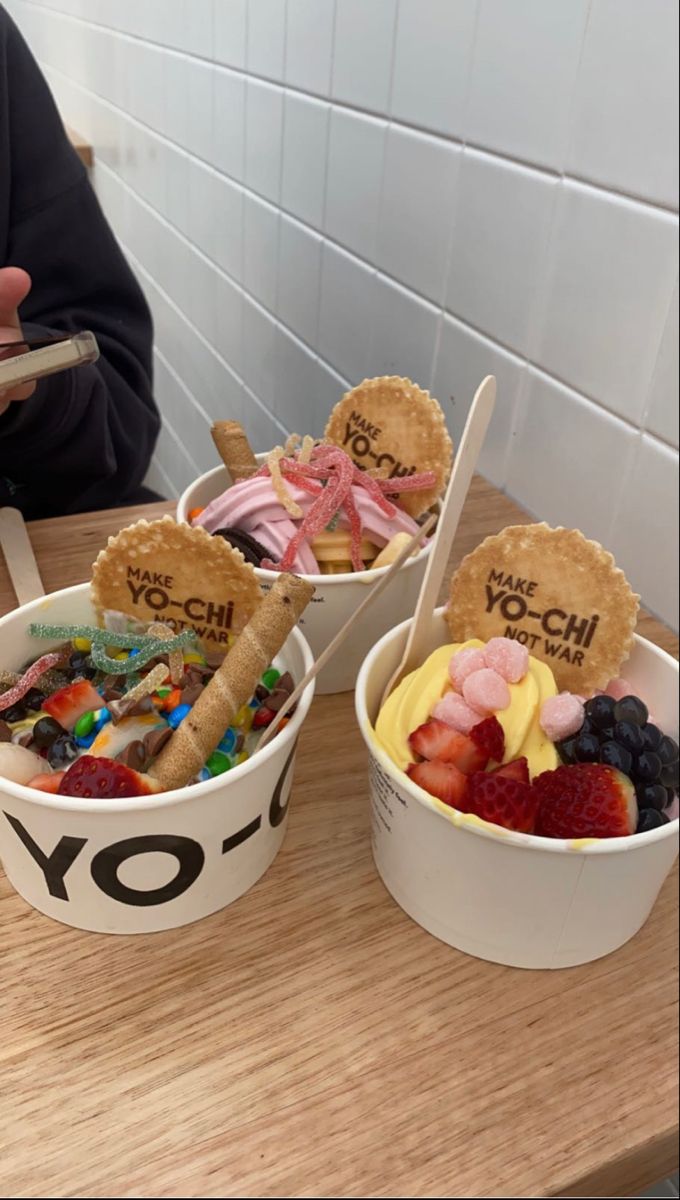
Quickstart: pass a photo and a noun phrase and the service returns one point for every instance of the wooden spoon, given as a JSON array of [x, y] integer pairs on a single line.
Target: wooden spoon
[[406, 552], [19, 556], [463, 469]]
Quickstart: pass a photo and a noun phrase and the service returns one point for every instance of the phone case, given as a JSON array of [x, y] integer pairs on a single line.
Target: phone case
[[59, 356]]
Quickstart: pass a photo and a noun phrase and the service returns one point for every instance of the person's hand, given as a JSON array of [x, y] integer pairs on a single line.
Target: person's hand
[[15, 285]]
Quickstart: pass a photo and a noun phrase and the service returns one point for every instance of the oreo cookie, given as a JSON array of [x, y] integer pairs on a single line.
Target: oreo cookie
[[252, 550]]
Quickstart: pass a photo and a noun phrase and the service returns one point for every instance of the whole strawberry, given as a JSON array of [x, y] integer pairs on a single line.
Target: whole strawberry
[[586, 800]]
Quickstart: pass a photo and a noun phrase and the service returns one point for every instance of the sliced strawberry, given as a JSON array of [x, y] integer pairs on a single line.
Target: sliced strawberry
[[517, 769], [488, 736], [69, 703], [437, 740], [502, 801], [442, 780], [49, 782], [102, 779], [585, 800]]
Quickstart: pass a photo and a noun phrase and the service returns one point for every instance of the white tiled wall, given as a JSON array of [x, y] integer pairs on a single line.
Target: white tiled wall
[[312, 191]]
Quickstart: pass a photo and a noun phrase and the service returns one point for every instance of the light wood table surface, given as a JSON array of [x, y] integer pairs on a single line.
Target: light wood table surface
[[311, 1040]]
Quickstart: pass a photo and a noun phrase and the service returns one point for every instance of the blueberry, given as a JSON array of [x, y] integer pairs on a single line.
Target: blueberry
[[630, 736], [667, 750], [45, 731], [669, 775], [63, 751], [567, 751], [652, 735], [614, 755], [649, 818], [647, 767], [631, 709], [600, 711], [670, 794], [17, 712], [33, 700], [81, 665], [587, 748], [651, 795]]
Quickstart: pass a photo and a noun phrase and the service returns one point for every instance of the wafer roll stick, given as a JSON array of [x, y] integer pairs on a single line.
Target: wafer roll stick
[[233, 683], [234, 449]]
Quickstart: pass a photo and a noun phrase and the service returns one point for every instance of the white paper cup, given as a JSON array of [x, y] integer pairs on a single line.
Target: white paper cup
[[335, 599], [510, 897], [146, 863]]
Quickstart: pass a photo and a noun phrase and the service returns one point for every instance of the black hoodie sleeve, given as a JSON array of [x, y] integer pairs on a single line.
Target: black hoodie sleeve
[[85, 438]]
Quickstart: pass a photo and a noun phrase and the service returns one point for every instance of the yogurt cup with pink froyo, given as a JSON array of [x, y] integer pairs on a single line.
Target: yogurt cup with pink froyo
[[250, 515], [319, 510]]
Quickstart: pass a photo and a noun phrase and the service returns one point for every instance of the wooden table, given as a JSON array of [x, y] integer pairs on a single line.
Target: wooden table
[[310, 1040]]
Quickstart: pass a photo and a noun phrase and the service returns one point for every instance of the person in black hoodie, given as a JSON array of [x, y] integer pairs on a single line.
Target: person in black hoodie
[[81, 439]]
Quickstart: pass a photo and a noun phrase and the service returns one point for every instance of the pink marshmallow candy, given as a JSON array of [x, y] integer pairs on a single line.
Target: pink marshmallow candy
[[453, 711], [618, 688], [463, 663], [508, 658], [486, 691], [561, 716]]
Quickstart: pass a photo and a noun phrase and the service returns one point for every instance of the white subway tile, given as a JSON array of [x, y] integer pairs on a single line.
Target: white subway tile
[[464, 359], [299, 279], [570, 460], [305, 148], [202, 225], [309, 45], [265, 39], [263, 431], [362, 52], [662, 412], [411, 245], [176, 206], [229, 122], [645, 536], [201, 296], [264, 122], [198, 27], [403, 333], [327, 387], [200, 115], [625, 115], [522, 77], [345, 311], [230, 32], [612, 267], [176, 99], [432, 63], [260, 250], [228, 226], [355, 165], [259, 352], [229, 322], [500, 234], [294, 398]]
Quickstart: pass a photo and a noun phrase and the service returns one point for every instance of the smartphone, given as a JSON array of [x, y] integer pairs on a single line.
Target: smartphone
[[58, 354]]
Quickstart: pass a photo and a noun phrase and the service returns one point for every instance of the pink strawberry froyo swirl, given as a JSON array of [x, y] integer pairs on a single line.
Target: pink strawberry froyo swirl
[[328, 488]]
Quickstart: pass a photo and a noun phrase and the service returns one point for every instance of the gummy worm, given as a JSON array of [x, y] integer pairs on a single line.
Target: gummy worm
[[28, 679]]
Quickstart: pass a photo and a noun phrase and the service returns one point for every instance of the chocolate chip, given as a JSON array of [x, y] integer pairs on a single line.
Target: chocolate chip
[[5, 732], [24, 738], [134, 755], [276, 700], [191, 693], [261, 692], [129, 708], [155, 740], [285, 683], [240, 743]]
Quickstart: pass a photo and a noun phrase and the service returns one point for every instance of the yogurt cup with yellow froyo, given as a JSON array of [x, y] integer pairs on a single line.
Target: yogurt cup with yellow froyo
[[499, 893]]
